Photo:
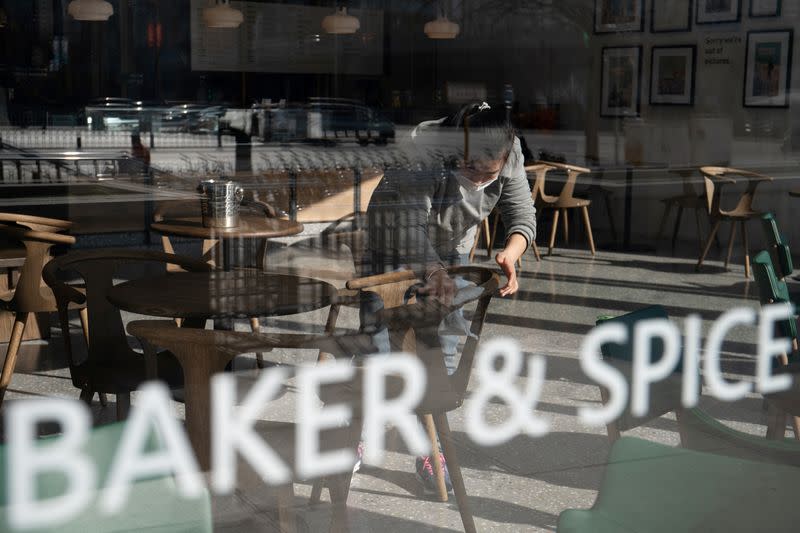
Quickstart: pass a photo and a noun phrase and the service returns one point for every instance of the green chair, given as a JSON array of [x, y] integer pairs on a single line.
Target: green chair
[[665, 396], [653, 488], [778, 245], [153, 505], [771, 289]]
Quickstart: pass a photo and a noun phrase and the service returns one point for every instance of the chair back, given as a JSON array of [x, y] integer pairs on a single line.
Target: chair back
[[568, 190], [28, 296], [540, 171], [771, 289], [665, 395], [717, 177], [108, 343], [413, 325], [777, 244]]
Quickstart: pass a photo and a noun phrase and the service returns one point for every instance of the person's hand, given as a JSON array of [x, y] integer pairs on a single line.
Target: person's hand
[[506, 264], [440, 286]]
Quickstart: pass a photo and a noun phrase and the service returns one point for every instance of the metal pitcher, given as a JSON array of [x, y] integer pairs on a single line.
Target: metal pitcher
[[220, 202]]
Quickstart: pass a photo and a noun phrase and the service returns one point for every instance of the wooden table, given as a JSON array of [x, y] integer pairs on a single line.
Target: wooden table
[[200, 295], [250, 227]]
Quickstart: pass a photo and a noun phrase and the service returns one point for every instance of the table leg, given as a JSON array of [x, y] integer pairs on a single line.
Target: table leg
[[199, 363], [626, 239]]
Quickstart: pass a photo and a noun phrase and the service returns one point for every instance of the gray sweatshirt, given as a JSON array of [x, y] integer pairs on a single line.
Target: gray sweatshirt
[[419, 218]]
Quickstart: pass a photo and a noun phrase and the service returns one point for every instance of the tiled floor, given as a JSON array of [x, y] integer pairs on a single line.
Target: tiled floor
[[522, 485]]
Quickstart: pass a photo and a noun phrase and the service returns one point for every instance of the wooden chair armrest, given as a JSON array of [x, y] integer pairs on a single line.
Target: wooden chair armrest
[[22, 233], [565, 166], [269, 211], [24, 220]]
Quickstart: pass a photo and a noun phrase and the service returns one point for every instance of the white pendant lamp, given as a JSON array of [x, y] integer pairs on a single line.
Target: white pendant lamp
[[90, 10], [340, 23], [441, 28], [222, 15]]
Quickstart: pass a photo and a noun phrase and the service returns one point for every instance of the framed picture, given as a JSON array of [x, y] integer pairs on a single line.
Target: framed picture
[[718, 11], [765, 8], [618, 15], [670, 15], [672, 70], [768, 68], [620, 81]]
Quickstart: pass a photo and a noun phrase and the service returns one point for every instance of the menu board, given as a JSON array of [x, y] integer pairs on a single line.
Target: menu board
[[287, 38]]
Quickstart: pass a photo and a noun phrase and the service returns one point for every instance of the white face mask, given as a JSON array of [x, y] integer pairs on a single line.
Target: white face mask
[[469, 185]]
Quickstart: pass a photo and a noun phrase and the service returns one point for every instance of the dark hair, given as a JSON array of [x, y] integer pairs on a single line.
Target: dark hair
[[476, 131]]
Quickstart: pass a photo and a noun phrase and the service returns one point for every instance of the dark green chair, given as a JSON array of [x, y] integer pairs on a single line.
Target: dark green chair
[[778, 246], [649, 487], [771, 289], [153, 505], [665, 396]]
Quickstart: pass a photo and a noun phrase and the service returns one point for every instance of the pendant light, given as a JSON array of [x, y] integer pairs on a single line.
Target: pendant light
[[222, 15], [340, 23], [90, 10], [442, 27]]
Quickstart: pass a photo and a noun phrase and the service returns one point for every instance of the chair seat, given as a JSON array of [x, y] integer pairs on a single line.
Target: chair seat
[[567, 203], [745, 215]]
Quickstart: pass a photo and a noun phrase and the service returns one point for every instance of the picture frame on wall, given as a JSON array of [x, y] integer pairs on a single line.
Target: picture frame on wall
[[765, 8], [672, 73], [611, 16], [620, 81], [718, 11], [670, 16], [768, 68]]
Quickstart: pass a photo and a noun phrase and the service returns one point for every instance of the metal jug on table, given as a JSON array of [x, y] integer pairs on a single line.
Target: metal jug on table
[[220, 200]]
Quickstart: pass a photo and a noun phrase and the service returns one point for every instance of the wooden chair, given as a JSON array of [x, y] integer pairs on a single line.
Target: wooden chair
[[29, 296], [112, 366], [715, 179], [689, 198], [656, 488], [778, 246], [665, 395], [413, 328], [562, 203]]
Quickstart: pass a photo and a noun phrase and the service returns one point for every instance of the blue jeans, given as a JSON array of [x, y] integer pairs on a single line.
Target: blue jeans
[[451, 329]]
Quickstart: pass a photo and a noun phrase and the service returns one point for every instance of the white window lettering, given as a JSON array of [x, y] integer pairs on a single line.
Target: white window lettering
[[28, 459], [312, 419], [399, 411], [769, 347], [690, 389], [232, 431], [152, 410], [500, 384], [605, 375], [646, 372], [718, 386]]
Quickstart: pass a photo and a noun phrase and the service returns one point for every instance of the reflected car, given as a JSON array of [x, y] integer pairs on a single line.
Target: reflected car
[[339, 117], [192, 118], [115, 113]]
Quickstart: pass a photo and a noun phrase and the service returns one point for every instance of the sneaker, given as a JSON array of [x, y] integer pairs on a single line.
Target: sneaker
[[359, 456], [425, 474]]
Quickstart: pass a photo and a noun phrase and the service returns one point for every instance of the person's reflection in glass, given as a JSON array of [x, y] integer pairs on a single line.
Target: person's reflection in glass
[[425, 218]]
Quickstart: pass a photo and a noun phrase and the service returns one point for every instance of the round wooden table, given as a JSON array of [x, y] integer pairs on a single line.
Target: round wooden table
[[250, 227], [216, 295]]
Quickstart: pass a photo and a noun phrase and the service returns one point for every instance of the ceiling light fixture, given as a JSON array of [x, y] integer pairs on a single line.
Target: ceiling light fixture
[[340, 23], [222, 15], [441, 28], [90, 10]]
